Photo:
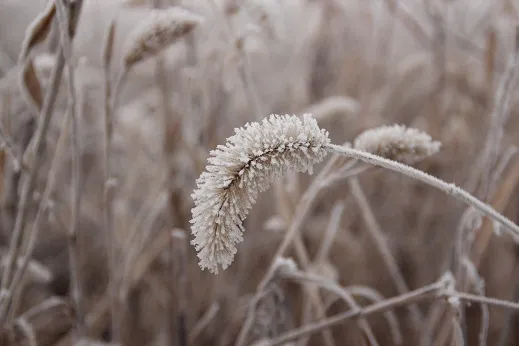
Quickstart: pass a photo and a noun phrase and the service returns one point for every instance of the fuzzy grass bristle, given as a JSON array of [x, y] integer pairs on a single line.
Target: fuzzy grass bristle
[[257, 155], [398, 143], [159, 30]]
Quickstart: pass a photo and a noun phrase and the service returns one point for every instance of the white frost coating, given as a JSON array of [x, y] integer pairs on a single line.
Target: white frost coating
[[396, 142], [159, 30], [255, 156]]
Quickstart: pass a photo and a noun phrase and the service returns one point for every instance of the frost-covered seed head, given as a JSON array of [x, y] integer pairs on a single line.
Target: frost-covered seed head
[[396, 142], [285, 265], [255, 156], [160, 29]]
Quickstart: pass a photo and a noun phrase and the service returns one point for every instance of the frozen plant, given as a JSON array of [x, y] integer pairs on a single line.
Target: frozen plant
[[259, 153], [397, 142], [158, 31]]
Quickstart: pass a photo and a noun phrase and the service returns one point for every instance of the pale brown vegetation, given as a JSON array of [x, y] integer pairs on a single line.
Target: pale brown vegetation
[[362, 235]]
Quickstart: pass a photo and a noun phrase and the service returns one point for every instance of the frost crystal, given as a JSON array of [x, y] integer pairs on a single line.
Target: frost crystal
[[255, 156], [159, 30], [406, 145]]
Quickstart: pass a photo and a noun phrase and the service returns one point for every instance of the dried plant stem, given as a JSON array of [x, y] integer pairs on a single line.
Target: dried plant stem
[[499, 116], [377, 236], [203, 322], [433, 291], [75, 276], [57, 159], [243, 70], [28, 184], [339, 291], [111, 101], [474, 298], [179, 280], [449, 189], [331, 231], [421, 294], [313, 294], [9, 148], [297, 220], [373, 295]]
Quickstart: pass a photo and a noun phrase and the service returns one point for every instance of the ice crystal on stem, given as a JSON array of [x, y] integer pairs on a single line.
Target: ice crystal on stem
[[255, 156]]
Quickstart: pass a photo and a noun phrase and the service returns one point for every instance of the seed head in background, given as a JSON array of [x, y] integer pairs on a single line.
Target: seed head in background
[[398, 143], [255, 156], [159, 30]]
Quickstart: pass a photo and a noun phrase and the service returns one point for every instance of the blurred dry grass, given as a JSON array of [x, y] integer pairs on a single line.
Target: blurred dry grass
[[437, 71]]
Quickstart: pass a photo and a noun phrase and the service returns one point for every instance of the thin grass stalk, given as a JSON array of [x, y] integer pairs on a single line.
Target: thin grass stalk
[[377, 236], [179, 281], [500, 113], [331, 231], [297, 220], [450, 189], [203, 322], [244, 71], [36, 145], [339, 291], [315, 298], [432, 291], [107, 189], [75, 275], [373, 295], [57, 160], [421, 294], [29, 183]]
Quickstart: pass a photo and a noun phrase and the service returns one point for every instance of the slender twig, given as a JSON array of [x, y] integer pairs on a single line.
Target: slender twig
[[37, 146], [57, 159], [377, 236], [421, 294], [179, 281], [433, 291], [449, 189], [373, 295], [473, 298], [499, 116], [9, 148], [75, 276], [203, 322], [339, 291], [107, 198], [331, 231], [301, 211], [29, 183], [243, 69]]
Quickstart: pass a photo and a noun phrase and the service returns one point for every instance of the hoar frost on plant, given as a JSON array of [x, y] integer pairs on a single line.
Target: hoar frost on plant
[[397, 142], [255, 156], [160, 29]]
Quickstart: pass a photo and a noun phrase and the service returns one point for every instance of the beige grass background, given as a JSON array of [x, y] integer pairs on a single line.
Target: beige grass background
[[431, 64]]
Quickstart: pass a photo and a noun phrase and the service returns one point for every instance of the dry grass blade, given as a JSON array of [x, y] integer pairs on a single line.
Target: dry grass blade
[[500, 200], [39, 29], [203, 322], [179, 285], [108, 46], [27, 187], [3, 156], [30, 84], [64, 15], [424, 293], [339, 291], [450, 189], [377, 236]]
